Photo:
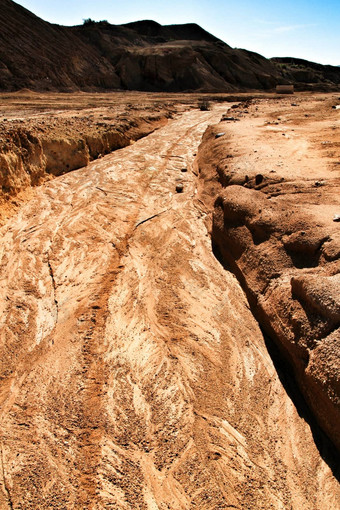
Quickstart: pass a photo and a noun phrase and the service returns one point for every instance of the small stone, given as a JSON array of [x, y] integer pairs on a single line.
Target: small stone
[[336, 217], [179, 188], [229, 118], [218, 135]]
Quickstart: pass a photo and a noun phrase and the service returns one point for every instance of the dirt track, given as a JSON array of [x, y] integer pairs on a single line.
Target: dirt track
[[134, 374]]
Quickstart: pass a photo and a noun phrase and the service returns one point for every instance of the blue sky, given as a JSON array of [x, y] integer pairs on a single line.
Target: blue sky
[[305, 29]]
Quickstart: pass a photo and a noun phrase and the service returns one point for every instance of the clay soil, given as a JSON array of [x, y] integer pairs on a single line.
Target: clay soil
[[133, 372]]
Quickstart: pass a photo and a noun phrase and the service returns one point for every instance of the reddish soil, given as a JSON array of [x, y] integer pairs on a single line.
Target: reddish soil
[[133, 372]]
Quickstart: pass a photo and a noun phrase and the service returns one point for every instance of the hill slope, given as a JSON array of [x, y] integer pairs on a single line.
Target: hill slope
[[142, 55], [39, 55], [307, 75]]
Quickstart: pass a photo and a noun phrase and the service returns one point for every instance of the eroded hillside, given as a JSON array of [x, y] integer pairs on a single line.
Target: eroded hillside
[[144, 56]]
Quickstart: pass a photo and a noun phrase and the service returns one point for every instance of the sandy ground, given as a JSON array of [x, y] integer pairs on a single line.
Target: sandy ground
[[134, 375], [293, 139], [43, 135]]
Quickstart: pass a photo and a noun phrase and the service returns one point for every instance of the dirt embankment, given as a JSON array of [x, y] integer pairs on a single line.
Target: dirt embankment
[[275, 226], [30, 151], [43, 135]]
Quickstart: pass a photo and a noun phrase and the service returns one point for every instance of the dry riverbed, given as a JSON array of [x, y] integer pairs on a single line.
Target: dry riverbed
[[133, 372]]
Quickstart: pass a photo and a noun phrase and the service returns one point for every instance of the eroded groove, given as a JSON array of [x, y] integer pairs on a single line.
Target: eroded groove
[[5, 485], [54, 287]]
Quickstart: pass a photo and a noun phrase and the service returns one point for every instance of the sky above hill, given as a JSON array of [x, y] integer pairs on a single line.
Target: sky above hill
[[308, 29]]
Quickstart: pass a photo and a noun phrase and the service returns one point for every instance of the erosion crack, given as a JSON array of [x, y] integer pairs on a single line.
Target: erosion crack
[[8, 494], [151, 218], [54, 287]]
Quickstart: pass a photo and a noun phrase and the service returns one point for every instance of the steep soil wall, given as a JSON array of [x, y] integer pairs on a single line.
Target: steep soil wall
[[29, 156], [290, 272], [276, 233]]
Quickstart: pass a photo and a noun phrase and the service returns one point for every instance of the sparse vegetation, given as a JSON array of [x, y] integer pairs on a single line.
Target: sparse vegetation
[[91, 22], [88, 22], [204, 105]]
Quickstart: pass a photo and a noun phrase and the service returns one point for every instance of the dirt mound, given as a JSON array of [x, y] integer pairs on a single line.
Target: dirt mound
[[143, 55], [275, 230]]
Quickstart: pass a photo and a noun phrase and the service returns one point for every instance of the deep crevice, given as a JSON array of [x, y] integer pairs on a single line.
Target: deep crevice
[[326, 448], [287, 377]]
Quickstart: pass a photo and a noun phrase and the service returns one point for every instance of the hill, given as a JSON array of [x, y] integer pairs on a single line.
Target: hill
[[306, 74], [142, 55]]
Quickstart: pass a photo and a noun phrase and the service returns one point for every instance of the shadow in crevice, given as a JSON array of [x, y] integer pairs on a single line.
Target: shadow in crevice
[[325, 446], [302, 261]]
